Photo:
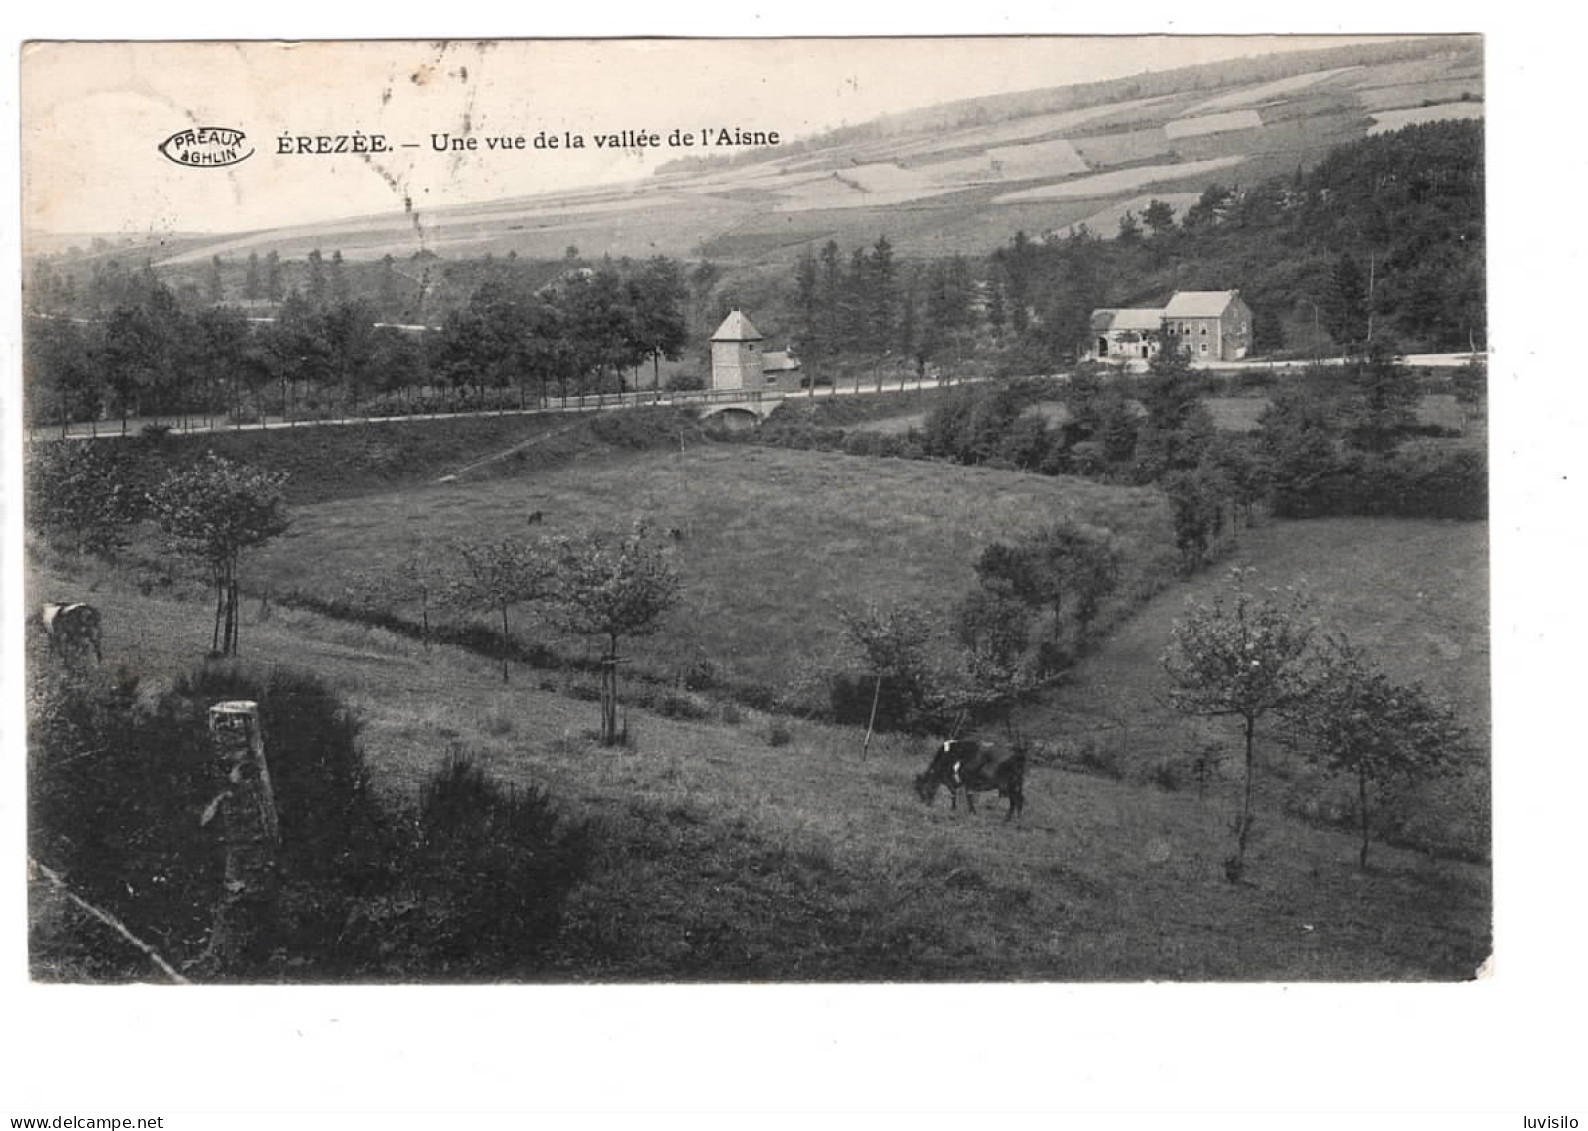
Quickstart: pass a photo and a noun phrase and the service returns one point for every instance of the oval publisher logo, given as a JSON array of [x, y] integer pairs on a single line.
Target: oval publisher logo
[[207, 147]]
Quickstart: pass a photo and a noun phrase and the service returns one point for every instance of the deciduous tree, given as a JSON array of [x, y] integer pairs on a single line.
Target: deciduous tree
[[213, 511], [614, 589], [78, 496], [1067, 562], [1243, 655], [1359, 722], [499, 575], [893, 645]]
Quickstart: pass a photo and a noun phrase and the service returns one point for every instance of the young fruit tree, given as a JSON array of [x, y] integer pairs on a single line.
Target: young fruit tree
[[498, 575], [614, 589], [1358, 721], [1244, 655], [893, 644], [419, 579], [213, 511]]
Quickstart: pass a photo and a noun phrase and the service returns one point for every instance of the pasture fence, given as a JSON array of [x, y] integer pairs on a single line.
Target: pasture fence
[[428, 407]]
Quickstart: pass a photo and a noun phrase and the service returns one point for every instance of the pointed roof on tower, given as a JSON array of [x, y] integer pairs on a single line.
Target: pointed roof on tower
[[736, 328]]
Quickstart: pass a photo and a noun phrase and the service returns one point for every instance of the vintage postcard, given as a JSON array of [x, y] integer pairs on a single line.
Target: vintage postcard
[[757, 511]]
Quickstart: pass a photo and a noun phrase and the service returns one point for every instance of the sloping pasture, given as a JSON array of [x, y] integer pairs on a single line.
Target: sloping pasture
[[1413, 594], [725, 857], [771, 544]]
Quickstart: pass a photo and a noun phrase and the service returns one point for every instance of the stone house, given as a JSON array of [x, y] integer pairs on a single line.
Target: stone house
[[1209, 325], [1125, 333]]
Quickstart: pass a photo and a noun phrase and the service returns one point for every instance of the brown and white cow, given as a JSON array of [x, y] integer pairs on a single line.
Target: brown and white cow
[[976, 768]]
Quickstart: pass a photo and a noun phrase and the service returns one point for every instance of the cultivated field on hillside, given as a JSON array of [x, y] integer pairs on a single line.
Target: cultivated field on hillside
[[771, 543], [951, 178], [1386, 120]]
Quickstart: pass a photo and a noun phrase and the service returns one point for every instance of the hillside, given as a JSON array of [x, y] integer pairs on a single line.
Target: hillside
[[958, 178], [761, 604], [1412, 593], [727, 855]]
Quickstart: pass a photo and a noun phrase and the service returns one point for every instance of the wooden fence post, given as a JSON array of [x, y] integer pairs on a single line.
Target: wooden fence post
[[249, 833]]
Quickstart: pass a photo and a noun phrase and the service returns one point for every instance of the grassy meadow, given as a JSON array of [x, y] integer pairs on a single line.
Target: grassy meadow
[[734, 845], [743, 848], [1413, 594], [773, 543]]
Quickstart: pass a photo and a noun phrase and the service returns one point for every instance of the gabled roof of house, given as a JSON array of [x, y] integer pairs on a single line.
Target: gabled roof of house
[[778, 361], [1199, 304], [736, 328], [1126, 318]]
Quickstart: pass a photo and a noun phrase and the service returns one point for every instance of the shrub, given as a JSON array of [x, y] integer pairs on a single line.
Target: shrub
[[116, 780], [861, 444], [120, 772], [680, 705], [756, 696], [642, 428], [472, 881], [778, 733], [329, 820], [490, 865], [1430, 481], [701, 675], [1165, 774], [1089, 756], [851, 696], [83, 496]]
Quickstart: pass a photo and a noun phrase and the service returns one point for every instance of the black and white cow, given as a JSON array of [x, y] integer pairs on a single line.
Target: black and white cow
[[72, 629], [976, 768]]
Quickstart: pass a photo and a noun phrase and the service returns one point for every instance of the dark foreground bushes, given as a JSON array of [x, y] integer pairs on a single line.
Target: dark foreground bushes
[[468, 883], [1413, 482]]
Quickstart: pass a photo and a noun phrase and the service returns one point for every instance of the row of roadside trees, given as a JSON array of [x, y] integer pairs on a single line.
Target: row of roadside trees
[[151, 354]]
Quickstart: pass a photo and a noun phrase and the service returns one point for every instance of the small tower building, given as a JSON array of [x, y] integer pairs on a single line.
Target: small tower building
[[736, 354]]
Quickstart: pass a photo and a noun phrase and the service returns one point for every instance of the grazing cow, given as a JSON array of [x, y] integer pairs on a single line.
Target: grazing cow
[[961, 764], [72, 629], [535, 517]]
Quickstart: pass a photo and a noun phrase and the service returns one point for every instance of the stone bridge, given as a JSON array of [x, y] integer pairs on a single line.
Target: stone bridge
[[746, 411]]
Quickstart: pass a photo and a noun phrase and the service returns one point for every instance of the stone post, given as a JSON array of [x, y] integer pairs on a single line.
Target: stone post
[[245, 812]]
